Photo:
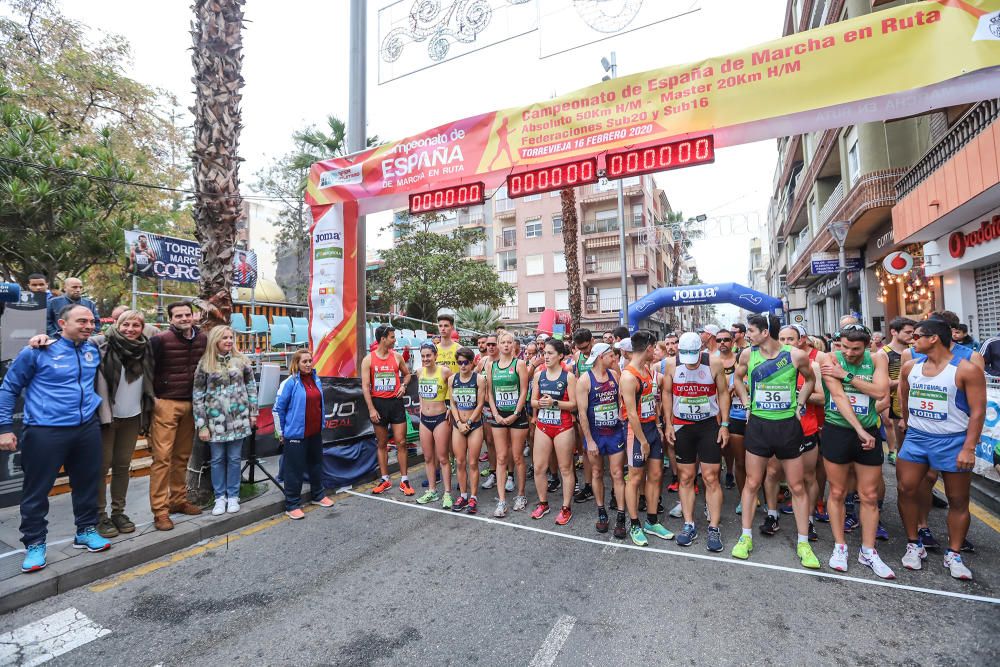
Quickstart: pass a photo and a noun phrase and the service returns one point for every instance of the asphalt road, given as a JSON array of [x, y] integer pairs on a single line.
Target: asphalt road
[[375, 582]]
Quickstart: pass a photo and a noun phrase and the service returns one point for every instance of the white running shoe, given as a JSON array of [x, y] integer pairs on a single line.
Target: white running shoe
[[953, 562], [838, 559], [914, 556], [501, 510], [490, 482], [677, 512], [510, 483], [220, 507], [233, 505], [876, 564], [520, 503]]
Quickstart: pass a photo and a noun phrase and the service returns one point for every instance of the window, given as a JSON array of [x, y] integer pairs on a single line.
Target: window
[[641, 290], [477, 249], [556, 225], [610, 299], [636, 216], [555, 193], [559, 262], [853, 157], [507, 261], [508, 236], [536, 302], [533, 228], [604, 221], [562, 299], [534, 265]]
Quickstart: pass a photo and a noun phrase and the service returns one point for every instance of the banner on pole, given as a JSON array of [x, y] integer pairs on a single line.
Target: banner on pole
[[333, 290], [169, 258], [989, 441], [891, 63]]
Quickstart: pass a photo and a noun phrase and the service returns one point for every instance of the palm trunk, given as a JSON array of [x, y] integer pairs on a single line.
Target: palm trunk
[[570, 230], [217, 33]]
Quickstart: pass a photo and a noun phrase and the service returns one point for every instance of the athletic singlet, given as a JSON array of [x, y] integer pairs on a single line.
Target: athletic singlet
[[557, 390], [773, 392], [432, 388], [810, 420], [506, 386], [895, 363], [737, 410], [465, 395], [447, 357], [644, 397], [581, 364], [603, 405], [863, 404], [385, 375], [695, 394], [936, 404]]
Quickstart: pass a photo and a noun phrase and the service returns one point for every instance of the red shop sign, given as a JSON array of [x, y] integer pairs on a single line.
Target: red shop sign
[[988, 231]]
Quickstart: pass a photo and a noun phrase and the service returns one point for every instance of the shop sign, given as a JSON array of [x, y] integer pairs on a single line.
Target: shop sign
[[987, 232], [880, 244], [898, 263]]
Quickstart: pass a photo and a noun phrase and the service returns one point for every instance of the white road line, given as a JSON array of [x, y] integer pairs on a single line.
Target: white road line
[[48, 638], [688, 554], [554, 641]]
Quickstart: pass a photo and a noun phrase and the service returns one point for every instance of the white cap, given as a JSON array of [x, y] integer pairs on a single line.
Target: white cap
[[596, 351], [709, 329], [625, 345], [689, 347]]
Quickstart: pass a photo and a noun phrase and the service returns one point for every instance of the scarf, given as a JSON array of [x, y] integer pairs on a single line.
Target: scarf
[[130, 355]]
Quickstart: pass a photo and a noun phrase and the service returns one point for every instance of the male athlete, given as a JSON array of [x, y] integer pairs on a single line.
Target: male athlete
[[901, 335], [384, 376], [447, 348]]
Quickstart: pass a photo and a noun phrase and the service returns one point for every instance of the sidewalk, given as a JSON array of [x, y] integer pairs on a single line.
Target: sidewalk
[[69, 568]]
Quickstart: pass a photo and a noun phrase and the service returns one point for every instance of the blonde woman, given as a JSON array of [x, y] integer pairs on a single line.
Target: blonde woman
[[507, 391], [225, 411]]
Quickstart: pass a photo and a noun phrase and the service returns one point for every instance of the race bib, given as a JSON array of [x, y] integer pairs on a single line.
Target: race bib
[[464, 397], [928, 404], [506, 400], [859, 402], [549, 416], [647, 407], [772, 397], [385, 382], [428, 389], [693, 408], [606, 415]]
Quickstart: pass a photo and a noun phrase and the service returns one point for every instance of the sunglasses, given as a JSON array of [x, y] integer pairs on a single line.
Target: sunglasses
[[723, 340], [856, 327], [920, 335], [464, 362]]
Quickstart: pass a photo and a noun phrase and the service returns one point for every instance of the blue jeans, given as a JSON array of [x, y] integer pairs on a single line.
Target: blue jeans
[[226, 468], [305, 455]]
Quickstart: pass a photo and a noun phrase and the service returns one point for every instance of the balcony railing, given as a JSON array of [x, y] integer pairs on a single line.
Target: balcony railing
[[592, 225], [609, 264], [831, 204], [506, 241], [502, 205], [608, 305], [508, 312], [509, 277], [975, 120]]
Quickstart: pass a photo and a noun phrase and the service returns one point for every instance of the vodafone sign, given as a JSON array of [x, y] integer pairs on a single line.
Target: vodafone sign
[[898, 263], [987, 232]]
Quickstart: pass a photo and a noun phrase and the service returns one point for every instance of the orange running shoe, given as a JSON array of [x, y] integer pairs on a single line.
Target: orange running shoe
[[405, 487], [382, 487], [565, 514]]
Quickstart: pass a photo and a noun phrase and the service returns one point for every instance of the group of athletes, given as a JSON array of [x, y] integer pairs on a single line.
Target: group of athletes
[[768, 400]]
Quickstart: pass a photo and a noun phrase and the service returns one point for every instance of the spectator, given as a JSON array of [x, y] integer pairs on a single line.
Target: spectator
[[878, 340], [960, 334], [991, 353], [60, 431], [176, 353], [125, 385], [72, 294], [148, 330], [39, 284], [298, 425], [225, 411]]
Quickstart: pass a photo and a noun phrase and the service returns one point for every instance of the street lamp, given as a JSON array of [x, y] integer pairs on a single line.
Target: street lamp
[[611, 67], [838, 229]]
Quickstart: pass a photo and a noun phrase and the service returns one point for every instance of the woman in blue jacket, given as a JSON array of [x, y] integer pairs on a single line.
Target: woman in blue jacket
[[298, 423]]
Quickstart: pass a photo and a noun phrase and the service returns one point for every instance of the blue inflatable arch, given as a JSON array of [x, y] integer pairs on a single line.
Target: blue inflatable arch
[[697, 295]]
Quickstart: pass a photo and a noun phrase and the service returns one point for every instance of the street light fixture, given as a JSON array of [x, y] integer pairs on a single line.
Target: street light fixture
[[611, 66]]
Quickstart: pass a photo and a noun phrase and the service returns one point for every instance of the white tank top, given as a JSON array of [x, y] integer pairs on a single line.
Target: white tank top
[[695, 394], [935, 404]]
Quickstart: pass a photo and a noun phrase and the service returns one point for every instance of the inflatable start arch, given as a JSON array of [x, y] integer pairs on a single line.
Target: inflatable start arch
[[697, 295]]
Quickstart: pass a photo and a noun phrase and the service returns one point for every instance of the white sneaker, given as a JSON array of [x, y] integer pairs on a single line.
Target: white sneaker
[[953, 562], [914, 556], [220, 507], [677, 512], [838, 559], [520, 503], [490, 482], [501, 510], [233, 505], [876, 564], [510, 483], [527, 450]]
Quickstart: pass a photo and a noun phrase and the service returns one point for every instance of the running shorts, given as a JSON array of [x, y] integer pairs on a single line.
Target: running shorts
[[937, 451], [774, 437], [610, 443], [433, 421], [810, 442], [391, 410], [652, 434], [842, 445], [698, 442], [552, 430], [737, 426], [520, 423]]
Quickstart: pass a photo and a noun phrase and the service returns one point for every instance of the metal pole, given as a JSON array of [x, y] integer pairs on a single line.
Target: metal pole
[[356, 140], [844, 307], [253, 310], [621, 222], [135, 279], [159, 299]]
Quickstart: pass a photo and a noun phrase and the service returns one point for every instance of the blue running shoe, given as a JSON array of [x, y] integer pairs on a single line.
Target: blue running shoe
[[850, 523], [91, 541], [687, 535], [714, 539], [881, 533], [34, 560], [926, 539], [786, 509]]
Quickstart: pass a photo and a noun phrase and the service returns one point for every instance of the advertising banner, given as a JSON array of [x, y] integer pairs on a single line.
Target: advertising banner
[[168, 258], [333, 292], [890, 63], [346, 418], [990, 439], [829, 262]]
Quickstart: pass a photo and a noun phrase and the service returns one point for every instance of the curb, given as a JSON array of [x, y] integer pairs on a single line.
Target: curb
[[65, 575]]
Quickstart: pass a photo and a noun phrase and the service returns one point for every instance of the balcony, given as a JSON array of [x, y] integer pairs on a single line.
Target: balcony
[[509, 277], [835, 199], [506, 242], [589, 194], [806, 178], [508, 312], [610, 265], [591, 225], [595, 304], [503, 208]]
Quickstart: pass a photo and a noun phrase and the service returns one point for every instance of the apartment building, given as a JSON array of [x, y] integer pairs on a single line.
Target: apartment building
[[846, 174], [757, 269]]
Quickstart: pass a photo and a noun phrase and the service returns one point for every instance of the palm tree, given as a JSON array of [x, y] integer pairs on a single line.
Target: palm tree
[[570, 230], [481, 319], [313, 145], [217, 33]]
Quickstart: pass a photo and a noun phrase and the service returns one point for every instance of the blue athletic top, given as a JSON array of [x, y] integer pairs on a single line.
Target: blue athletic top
[[603, 409], [465, 394]]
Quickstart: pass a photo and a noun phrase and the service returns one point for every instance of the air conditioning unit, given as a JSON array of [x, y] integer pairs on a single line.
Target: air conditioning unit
[[591, 291], [589, 228]]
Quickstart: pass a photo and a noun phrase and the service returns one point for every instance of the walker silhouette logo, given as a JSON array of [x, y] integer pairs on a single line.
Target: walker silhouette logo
[[329, 253], [694, 294], [645, 305], [988, 28]]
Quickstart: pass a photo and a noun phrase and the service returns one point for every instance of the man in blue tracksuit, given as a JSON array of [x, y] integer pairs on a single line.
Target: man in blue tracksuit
[[61, 430]]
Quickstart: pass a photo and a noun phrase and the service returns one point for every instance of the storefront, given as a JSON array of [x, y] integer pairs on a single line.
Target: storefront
[[825, 310], [896, 283], [968, 263]]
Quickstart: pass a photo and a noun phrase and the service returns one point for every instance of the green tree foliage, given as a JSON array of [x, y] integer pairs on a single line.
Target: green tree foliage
[[482, 319], [426, 271]]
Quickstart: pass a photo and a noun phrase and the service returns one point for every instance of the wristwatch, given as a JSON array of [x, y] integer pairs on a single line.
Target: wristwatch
[[724, 425], [802, 409], [848, 378]]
